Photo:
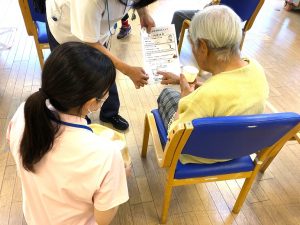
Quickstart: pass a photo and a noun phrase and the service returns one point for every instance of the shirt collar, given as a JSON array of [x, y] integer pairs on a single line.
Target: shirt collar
[[67, 117]]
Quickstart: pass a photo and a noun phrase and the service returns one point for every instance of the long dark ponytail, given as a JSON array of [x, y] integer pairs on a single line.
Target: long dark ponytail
[[73, 74]]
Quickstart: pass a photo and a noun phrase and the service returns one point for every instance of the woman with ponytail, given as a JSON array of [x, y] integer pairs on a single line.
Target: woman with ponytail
[[69, 175]]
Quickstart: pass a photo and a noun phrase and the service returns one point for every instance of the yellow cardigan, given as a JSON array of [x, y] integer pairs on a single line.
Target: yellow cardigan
[[243, 91]]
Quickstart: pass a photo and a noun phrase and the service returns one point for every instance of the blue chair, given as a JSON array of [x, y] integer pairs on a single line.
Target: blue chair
[[35, 26], [246, 9], [230, 137]]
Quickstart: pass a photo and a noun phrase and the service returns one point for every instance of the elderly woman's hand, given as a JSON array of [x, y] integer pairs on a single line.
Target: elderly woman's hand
[[198, 82], [186, 88], [168, 78]]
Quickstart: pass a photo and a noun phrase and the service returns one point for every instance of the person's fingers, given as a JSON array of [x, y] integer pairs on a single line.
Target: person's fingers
[[149, 29], [143, 82], [183, 82], [182, 78], [146, 77], [192, 86], [143, 71], [162, 73], [165, 82]]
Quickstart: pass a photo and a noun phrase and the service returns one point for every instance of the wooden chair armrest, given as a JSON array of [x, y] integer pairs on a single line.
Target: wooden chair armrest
[[185, 25]]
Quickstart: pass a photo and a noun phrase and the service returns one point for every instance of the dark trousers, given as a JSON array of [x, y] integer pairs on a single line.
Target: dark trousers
[[111, 106], [179, 17]]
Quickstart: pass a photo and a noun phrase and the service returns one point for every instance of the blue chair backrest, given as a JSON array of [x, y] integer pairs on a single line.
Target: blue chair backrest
[[244, 8], [235, 136], [36, 16]]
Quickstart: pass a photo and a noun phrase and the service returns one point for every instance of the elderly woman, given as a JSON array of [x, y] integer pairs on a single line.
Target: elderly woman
[[238, 86]]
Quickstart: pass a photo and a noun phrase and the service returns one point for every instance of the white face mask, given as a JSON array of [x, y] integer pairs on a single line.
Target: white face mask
[[101, 103]]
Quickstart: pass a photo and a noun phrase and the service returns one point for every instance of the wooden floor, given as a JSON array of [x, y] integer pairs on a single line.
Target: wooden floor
[[275, 197]]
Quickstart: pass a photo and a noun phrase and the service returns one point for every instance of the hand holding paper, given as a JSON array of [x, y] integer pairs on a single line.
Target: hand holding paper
[[160, 52], [168, 78], [138, 76]]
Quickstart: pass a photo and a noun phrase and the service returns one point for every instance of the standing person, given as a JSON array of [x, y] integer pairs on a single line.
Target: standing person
[[91, 22], [69, 175], [125, 27]]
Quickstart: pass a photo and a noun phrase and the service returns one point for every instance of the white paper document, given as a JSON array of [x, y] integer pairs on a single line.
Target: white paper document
[[160, 52]]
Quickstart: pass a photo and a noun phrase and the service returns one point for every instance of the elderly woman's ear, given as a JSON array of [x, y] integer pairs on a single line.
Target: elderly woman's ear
[[202, 46], [200, 51]]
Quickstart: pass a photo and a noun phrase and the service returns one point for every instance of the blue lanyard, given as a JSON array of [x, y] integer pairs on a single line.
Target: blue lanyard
[[74, 125]]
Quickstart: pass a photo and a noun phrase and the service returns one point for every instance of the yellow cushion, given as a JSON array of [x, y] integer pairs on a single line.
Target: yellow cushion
[[116, 137]]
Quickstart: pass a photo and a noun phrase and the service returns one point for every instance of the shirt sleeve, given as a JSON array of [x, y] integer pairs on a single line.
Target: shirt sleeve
[[85, 19], [198, 104], [17, 114], [113, 189]]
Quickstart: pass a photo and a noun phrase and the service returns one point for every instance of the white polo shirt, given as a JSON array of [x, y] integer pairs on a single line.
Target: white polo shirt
[[84, 20], [81, 172]]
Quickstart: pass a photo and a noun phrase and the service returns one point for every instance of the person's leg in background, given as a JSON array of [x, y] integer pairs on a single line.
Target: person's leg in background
[[179, 17], [110, 110], [52, 41], [125, 28]]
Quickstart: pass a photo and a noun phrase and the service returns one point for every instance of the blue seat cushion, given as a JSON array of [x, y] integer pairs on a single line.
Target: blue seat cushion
[[162, 131], [42, 33], [192, 170]]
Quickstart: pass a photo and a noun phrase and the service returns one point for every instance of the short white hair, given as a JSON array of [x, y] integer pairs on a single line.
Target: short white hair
[[221, 29]]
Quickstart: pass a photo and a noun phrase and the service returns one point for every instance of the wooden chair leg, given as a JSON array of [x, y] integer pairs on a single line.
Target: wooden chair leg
[[40, 54], [266, 164], [297, 137], [145, 137], [268, 161], [243, 194], [166, 203]]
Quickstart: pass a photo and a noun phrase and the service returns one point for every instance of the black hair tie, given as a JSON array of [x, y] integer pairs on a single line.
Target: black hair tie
[[43, 93]]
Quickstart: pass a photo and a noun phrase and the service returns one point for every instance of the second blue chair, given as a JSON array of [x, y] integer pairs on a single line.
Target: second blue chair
[[230, 137], [35, 26]]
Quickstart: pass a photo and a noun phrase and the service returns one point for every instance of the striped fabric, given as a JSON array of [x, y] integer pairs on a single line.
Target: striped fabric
[[167, 105]]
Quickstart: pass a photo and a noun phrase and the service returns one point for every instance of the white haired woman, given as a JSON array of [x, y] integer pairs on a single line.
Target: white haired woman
[[238, 86]]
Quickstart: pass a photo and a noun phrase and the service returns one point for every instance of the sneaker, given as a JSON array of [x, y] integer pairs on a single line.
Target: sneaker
[[124, 32], [117, 121]]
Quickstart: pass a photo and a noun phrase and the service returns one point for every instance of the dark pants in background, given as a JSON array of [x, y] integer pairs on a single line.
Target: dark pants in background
[[111, 106], [179, 17]]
